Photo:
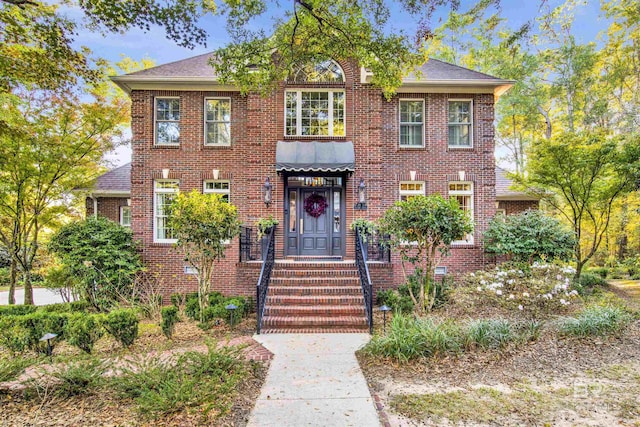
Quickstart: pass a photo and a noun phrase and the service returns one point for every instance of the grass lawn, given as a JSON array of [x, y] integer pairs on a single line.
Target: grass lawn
[[554, 378], [192, 379]]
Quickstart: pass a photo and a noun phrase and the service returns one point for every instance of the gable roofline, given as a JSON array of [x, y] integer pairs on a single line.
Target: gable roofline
[[195, 73]]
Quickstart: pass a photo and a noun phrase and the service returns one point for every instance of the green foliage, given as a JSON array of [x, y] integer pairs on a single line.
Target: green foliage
[[84, 330], [264, 224], [203, 382], [491, 333], [169, 320], [21, 332], [122, 325], [421, 230], [101, 256], [4, 276], [202, 223], [411, 338], [595, 320], [581, 175], [365, 226], [66, 307], [587, 282], [77, 378], [528, 237], [603, 272], [12, 367], [16, 310]]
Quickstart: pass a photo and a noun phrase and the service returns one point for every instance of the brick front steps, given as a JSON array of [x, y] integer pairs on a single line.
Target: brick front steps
[[310, 296]]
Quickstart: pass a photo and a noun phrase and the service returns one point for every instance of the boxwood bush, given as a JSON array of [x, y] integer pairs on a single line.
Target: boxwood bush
[[169, 320], [122, 325], [84, 330]]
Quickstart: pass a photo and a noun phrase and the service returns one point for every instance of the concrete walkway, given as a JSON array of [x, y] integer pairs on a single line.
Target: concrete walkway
[[314, 380], [41, 296]]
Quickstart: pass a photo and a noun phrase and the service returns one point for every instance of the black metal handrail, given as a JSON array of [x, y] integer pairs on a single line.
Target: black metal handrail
[[365, 278], [268, 260], [377, 246]]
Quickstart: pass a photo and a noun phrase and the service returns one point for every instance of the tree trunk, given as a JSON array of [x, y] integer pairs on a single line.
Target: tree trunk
[[547, 121], [579, 265], [28, 288], [13, 273]]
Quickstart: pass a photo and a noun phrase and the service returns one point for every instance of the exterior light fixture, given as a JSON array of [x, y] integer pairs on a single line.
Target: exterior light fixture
[[48, 337], [231, 308], [216, 174], [384, 310], [165, 173], [362, 196], [266, 189]]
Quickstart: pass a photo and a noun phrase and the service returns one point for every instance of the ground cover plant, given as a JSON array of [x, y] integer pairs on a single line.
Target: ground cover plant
[[171, 381]]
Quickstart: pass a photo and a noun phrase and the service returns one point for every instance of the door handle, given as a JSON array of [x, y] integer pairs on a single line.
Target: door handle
[[301, 225]]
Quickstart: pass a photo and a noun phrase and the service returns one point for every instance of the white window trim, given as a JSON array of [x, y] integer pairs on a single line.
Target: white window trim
[[400, 123], [409, 193], [298, 93], [470, 240], [227, 192], [206, 190], [122, 208], [155, 207], [471, 126], [155, 121], [209, 98]]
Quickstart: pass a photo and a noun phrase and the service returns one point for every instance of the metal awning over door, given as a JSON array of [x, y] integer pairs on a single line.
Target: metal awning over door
[[314, 156]]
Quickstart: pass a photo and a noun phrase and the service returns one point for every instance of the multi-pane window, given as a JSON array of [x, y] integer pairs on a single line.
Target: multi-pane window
[[125, 216], [411, 123], [314, 113], [217, 121], [410, 189], [165, 191], [167, 117], [460, 119], [463, 193], [218, 187]]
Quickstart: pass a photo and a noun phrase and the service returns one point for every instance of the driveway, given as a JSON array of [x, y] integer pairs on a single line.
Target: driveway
[[41, 296]]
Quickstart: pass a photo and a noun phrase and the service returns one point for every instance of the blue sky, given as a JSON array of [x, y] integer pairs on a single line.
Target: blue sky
[[137, 44]]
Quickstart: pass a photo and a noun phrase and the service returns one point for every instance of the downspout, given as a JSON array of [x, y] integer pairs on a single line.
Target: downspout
[[95, 205]]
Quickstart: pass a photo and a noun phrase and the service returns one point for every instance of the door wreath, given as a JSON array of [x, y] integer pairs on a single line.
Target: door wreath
[[315, 205]]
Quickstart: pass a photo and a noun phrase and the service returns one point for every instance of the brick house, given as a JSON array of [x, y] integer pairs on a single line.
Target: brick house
[[325, 134]]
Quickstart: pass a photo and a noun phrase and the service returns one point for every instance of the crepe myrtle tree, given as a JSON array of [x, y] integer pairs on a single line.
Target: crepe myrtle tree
[[203, 223], [421, 230]]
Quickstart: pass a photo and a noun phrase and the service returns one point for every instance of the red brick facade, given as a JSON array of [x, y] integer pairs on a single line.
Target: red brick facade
[[108, 207], [514, 207], [257, 123]]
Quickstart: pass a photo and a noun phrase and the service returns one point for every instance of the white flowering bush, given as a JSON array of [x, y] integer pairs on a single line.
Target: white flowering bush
[[542, 289]]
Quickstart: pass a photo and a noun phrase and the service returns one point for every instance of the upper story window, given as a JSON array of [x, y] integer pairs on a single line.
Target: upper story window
[[410, 189], [314, 112], [221, 187], [217, 117], [167, 121], [319, 72], [463, 193], [164, 191], [411, 123], [125, 216], [460, 122]]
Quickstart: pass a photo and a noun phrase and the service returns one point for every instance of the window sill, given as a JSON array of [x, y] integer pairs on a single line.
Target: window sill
[[314, 138], [463, 245], [411, 148], [454, 148], [163, 243], [216, 146], [174, 146]]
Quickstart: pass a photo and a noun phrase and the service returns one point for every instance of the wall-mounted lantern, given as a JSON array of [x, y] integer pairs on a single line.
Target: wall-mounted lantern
[[266, 191], [362, 196]]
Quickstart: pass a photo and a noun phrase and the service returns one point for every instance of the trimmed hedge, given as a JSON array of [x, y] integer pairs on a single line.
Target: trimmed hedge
[[84, 330], [169, 320], [122, 325], [18, 333]]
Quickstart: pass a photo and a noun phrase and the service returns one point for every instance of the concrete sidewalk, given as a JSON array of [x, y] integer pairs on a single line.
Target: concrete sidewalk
[[314, 380]]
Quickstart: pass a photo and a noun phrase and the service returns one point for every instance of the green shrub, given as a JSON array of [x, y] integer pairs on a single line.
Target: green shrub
[[588, 281], [169, 320], [192, 308], [491, 333], [215, 298], [4, 276], [76, 378], [617, 273], [16, 310], [67, 307], [398, 303], [18, 333], [205, 381], [11, 368], [84, 330], [595, 320], [122, 325], [600, 271]]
